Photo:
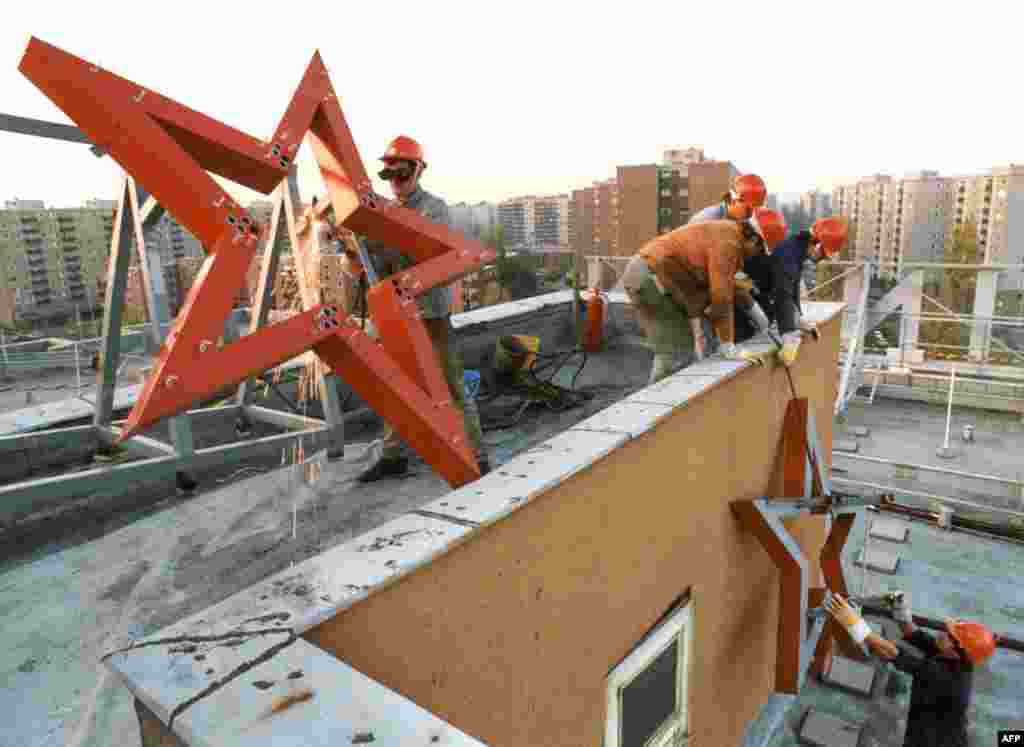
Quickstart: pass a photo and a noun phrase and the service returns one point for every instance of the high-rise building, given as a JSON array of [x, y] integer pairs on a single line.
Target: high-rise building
[[582, 208], [772, 202], [815, 204], [913, 219], [474, 221], [708, 181], [606, 218], [52, 260], [994, 204], [617, 216], [679, 159], [535, 222]]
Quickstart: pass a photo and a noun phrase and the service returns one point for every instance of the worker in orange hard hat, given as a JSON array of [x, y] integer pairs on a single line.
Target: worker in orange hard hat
[[779, 278], [942, 678], [404, 164], [748, 192], [680, 278]]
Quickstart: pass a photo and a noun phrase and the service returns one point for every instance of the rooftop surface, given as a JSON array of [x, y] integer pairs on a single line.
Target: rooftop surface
[[86, 592], [947, 575]]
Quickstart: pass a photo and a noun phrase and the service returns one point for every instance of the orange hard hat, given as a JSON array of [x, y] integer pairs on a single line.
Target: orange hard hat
[[977, 641], [403, 148], [770, 226], [750, 189], [831, 232]]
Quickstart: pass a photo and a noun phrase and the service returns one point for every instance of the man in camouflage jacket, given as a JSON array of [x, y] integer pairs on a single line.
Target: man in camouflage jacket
[[404, 165]]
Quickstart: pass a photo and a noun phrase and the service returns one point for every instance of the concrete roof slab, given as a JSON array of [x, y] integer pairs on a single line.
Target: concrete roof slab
[[526, 476], [893, 530], [824, 730], [300, 695], [676, 390], [631, 418]]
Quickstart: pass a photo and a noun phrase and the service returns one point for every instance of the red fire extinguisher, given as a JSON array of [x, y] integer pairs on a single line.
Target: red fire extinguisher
[[593, 334]]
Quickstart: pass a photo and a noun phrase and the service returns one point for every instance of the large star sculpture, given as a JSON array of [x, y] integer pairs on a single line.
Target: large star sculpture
[[169, 148]]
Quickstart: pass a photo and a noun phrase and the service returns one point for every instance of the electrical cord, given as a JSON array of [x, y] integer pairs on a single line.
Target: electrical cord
[[532, 389]]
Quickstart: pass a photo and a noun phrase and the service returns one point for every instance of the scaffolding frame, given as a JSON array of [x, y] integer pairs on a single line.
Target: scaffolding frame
[[137, 214]]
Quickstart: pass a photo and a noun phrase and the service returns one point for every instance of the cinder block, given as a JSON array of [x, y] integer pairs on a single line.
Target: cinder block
[[879, 560], [823, 730], [850, 675], [848, 446], [894, 531], [861, 431]]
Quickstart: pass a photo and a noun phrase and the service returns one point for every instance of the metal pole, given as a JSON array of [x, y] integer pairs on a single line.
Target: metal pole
[[946, 452], [78, 372]]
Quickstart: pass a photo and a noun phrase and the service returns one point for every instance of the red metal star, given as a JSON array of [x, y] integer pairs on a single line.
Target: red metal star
[[168, 148]]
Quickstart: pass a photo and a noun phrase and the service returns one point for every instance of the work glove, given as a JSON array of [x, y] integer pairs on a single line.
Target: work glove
[[743, 282], [848, 617], [731, 352], [808, 328], [790, 348], [901, 607]]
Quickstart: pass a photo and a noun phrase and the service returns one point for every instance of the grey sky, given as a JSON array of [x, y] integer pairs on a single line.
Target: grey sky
[[514, 98]]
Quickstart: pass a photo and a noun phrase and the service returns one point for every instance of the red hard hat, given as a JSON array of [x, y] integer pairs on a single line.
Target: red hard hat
[[977, 641], [750, 189], [405, 148], [831, 232], [770, 226]]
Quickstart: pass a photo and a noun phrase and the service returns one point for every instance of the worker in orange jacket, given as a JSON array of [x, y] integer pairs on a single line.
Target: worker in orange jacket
[[679, 278], [747, 193], [942, 671]]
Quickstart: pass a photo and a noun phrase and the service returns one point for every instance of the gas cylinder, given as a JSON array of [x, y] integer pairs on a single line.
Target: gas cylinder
[[593, 332]]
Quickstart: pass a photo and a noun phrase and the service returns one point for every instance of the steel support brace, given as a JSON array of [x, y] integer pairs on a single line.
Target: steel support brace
[[170, 148], [790, 668], [34, 495], [803, 474]]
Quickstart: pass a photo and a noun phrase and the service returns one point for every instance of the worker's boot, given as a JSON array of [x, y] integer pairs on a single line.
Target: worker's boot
[[484, 464], [384, 468]]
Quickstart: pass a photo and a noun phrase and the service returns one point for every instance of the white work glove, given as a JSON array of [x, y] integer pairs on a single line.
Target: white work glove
[[848, 617], [731, 352], [790, 348], [901, 608], [807, 327]]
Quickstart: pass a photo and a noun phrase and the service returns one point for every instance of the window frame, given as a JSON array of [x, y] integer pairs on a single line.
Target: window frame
[[678, 625]]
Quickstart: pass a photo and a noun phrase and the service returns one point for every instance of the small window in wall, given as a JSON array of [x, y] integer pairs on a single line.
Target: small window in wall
[[647, 691]]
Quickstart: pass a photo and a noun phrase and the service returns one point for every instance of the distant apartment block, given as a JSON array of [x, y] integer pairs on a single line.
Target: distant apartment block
[[708, 181], [914, 218], [52, 260], [617, 216], [679, 159], [535, 221], [474, 221], [772, 203], [814, 203]]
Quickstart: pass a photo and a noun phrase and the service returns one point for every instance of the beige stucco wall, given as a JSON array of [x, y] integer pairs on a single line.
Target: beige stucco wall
[[509, 637]]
